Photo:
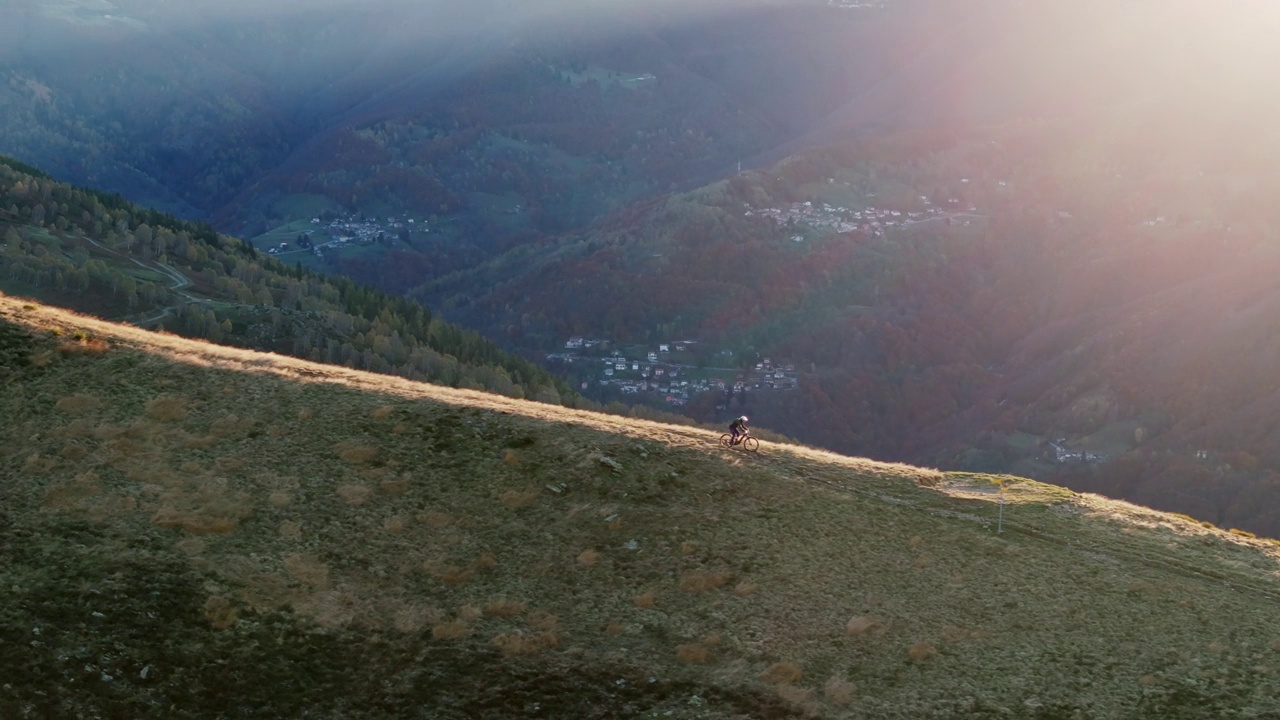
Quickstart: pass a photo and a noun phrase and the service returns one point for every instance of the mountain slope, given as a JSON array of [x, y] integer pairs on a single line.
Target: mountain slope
[[311, 539]]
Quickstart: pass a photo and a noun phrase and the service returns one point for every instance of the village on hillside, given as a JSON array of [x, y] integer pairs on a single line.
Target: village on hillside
[[668, 370], [873, 220], [349, 230]]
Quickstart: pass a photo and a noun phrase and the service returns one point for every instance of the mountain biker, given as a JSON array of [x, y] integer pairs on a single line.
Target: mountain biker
[[738, 428]]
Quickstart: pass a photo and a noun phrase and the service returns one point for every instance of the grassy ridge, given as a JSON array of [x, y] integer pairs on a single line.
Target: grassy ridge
[[192, 530]]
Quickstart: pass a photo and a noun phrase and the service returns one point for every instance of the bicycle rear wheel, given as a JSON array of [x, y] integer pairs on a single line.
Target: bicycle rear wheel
[[725, 440]]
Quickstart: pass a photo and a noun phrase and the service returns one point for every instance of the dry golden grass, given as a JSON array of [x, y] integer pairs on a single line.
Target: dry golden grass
[[168, 408], [513, 499], [84, 346], [646, 600], [838, 691], [44, 358], [693, 654], [78, 403], [782, 673], [453, 630], [356, 453], [504, 609], [219, 613], [588, 558], [701, 581], [921, 651], [353, 493]]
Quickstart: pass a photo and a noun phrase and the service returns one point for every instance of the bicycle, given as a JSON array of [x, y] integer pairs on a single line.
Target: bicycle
[[746, 442]]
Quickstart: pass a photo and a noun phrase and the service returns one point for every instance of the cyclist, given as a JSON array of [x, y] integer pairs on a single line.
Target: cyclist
[[738, 428]]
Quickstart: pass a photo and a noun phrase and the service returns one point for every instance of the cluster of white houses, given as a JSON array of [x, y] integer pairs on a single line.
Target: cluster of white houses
[[664, 370], [839, 219]]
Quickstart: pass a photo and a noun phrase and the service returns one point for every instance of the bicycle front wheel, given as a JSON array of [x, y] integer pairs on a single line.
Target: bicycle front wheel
[[750, 444]]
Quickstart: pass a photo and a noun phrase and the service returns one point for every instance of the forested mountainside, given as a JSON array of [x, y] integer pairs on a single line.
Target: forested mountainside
[[97, 253], [314, 541], [497, 131], [1034, 298]]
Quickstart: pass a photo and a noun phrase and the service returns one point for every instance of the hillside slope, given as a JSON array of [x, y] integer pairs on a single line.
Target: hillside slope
[[192, 530]]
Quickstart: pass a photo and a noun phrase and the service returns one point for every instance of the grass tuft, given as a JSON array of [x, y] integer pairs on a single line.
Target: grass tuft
[[921, 651], [839, 691], [78, 404], [647, 600], [588, 558], [219, 613], [782, 673], [356, 453], [504, 609], [693, 654], [354, 493], [381, 413], [859, 626], [517, 644], [453, 630], [514, 499], [168, 408], [701, 581]]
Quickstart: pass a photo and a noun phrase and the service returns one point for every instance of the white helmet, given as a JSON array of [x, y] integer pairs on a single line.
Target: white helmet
[[744, 418]]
